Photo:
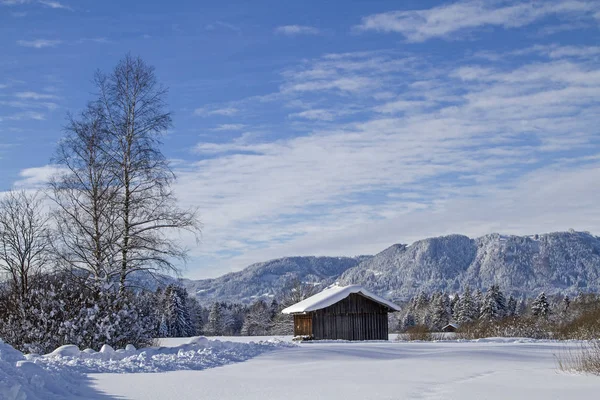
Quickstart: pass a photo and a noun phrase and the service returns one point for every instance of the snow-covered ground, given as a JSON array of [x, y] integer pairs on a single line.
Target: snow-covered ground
[[486, 369], [273, 368]]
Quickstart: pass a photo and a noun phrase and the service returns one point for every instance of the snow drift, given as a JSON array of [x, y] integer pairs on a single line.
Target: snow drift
[[22, 379], [60, 374], [199, 353]]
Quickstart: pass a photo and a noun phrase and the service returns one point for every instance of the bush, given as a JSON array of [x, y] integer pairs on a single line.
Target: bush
[[419, 332], [585, 327], [59, 311], [536, 328]]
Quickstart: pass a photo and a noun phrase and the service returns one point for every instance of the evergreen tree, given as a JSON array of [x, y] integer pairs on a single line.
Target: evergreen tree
[[408, 321], [540, 306], [511, 307], [214, 325], [500, 300], [163, 329], [467, 309], [196, 318], [489, 307], [440, 312], [478, 300], [454, 304]]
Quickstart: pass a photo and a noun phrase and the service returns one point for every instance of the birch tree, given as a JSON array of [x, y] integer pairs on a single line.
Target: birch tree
[[134, 106]]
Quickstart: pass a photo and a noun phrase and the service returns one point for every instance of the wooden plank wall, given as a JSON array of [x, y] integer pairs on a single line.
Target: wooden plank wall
[[354, 318], [302, 325]]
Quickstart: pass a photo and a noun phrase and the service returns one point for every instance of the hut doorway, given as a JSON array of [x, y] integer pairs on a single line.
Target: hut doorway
[[303, 325]]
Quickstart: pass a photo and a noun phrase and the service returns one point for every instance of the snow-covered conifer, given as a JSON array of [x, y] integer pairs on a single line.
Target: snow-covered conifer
[[540, 306]]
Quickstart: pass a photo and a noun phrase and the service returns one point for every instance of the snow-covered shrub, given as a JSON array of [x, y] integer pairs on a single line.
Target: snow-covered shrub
[[60, 310]]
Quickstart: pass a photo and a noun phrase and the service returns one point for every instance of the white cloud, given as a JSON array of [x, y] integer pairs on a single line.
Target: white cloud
[[101, 40], [292, 30], [446, 20], [315, 115], [54, 4], [38, 43], [13, 2], [35, 96], [229, 127], [47, 3], [221, 24], [27, 115], [468, 149], [38, 177], [225, 111]]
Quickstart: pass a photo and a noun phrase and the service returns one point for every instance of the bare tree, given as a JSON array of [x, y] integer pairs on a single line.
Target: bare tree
[[85, 192], [24, 241], [133, 103]]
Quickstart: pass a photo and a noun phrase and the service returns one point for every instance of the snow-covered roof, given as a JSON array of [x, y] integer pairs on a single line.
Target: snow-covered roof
[[333, 295]]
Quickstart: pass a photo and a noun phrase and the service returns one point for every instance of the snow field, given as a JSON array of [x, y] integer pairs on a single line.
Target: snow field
[[494, 368], [61, 373]]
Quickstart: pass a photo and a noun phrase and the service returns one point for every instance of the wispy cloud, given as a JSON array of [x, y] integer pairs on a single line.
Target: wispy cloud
[[27, 115], [47, 3], [54, 4], [445, 143], [226, 111], [293, 30], [38, 43], [220, 24], [13, 2], [446, 20], [35, 96], [229, 127], [315, 115], [102, 40]]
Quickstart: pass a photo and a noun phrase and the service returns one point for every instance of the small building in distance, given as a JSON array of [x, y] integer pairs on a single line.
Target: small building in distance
[[450, 328], [342, 312]]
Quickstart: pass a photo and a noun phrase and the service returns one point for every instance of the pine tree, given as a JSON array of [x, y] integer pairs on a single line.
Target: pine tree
[[489, 310], [440, 315], [511, 307], [478, 300], [214, 325], [454, 304], [467, 310], [163, 329], [540, 306], [500, 300]]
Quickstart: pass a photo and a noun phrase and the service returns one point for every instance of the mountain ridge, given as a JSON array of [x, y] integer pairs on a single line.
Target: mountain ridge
[[565, 262]]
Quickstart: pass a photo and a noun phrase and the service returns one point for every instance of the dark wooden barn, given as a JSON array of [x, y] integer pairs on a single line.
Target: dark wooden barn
[[342, 312]]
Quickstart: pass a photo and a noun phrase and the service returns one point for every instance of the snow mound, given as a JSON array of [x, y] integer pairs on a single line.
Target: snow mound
[[21, 379], [200, 353]]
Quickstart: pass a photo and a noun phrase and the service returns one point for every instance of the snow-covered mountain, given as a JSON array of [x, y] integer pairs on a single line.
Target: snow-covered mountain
[[267, 279], [566, 262]]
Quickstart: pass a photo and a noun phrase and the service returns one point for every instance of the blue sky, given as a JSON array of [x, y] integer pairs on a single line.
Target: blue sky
[[331, 128]]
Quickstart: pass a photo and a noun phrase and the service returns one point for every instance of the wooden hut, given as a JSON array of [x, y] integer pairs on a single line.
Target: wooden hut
[[450, 328], [342, 312]]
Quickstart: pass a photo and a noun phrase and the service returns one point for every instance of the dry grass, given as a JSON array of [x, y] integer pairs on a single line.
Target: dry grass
[[507, 327], [584, 327], [421, 332], [586, 359]]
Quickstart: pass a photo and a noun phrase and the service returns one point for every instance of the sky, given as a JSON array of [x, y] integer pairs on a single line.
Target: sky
[[330, 127]]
